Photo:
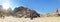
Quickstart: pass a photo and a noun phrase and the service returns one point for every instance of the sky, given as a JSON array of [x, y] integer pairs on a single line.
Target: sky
[[41, 6]]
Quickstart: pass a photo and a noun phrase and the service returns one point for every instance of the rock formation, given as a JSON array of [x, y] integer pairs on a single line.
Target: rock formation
[[25, 12], [58, 12]]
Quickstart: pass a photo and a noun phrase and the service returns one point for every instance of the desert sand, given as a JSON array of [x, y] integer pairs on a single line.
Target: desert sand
[[40, 19]]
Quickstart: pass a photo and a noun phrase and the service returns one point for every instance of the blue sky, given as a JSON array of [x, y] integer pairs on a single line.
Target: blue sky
[[41, 6]]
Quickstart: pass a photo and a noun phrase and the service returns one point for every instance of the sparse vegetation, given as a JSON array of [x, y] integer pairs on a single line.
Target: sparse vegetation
[[1, 14]]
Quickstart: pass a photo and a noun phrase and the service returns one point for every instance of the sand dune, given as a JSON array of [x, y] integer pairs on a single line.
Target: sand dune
[[43, 19]]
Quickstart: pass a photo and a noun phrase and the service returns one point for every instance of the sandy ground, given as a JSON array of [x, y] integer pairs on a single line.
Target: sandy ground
[[43, 19]]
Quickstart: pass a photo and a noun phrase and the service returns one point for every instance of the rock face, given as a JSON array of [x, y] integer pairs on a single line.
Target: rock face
[[25, 12], [58, 12]]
